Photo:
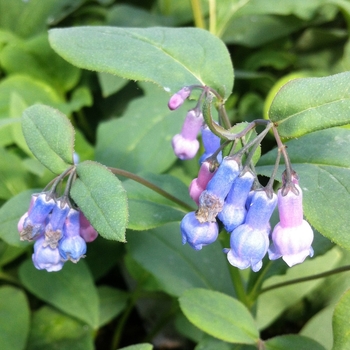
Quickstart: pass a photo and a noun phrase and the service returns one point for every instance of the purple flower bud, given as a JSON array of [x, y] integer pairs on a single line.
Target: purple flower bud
[[185, 144], [199, 184], [292, 236], [198, 234], [46, 258], [211, 143], [24, 216], [249, 242], [234, 211], [72, 246], [179, 98], [211, 200], [53, 230], [34, 224], [87, 232]]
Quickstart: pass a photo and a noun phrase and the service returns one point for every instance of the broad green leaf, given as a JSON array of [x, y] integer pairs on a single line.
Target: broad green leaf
[[101, 197], [341, 323], [322, 161], [50, 136], [31, 91], [219, 315], [169, 57], [70, 290], [10, 213], [292, 342], [53, 330], [14, 318], [112, 303], [148, 209], [176, 267], [9, 253], [138, 347], [13, 175], [309, 104], [211, 343], [110, 84], [133, 141]]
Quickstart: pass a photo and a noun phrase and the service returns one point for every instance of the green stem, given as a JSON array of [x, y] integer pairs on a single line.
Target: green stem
[[197, 14], [151, 186], [307, 278], [212, 16], [238, 285], [6, 277], [254, 292]]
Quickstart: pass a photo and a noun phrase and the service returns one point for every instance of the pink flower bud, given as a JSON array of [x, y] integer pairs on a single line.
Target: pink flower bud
[[179, 98]]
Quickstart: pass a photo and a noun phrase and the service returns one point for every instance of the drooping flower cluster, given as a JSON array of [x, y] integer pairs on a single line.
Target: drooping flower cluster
[[228, 192], [60, 232]]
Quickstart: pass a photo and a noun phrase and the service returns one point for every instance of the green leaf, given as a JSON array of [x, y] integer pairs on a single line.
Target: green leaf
[[14, 318], [176, 267], [110, 84], [54, 330], [322, 161], [101, 197], [9, 253], [148, 209], [13, 175], [340, 323], [169, 57], [10, 213], [50, 136], [309, 104], [70, 290], [139, 347], [112, 303], [292, 342], [219, 315], [133, 141]]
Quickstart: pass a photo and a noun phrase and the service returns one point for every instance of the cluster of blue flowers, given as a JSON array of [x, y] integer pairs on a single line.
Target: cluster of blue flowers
[[60, 232], [228, 193]]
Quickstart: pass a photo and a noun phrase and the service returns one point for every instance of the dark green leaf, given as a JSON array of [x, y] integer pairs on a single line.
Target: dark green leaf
[[14, 318], [70, 290], [292, 342], [176, 267], [54, 330], [309, 104], [50, 136], [139, 347], [219, 315], [169, 57], [101, 197]]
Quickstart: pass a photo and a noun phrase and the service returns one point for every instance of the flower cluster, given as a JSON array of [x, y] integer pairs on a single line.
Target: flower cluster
[[60, 232], [229, 193]]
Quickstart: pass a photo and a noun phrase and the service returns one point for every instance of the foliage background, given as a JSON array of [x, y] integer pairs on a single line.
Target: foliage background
[[124, 294]]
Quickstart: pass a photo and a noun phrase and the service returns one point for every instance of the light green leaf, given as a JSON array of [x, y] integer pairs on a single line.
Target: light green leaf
[[54, 330], [101, 197], [341, 323], [112, 303], [309, 104], [176, 267], [70, 290], [50, 136], [322, 161], [110, 84], [133, 141], [139, 347], [292, 342], [219, 315], [169, 57], [10, 213], [14, 318]]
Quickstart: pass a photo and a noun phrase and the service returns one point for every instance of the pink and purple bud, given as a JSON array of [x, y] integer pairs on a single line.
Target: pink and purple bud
[[185, 144], [198, 234], [211, 200], [199, 184], [211, 143], [35, 222], [234, 211], [292, 236], [250, 241], [179, 98], [87, 232], [46, 258], [72, 246]]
